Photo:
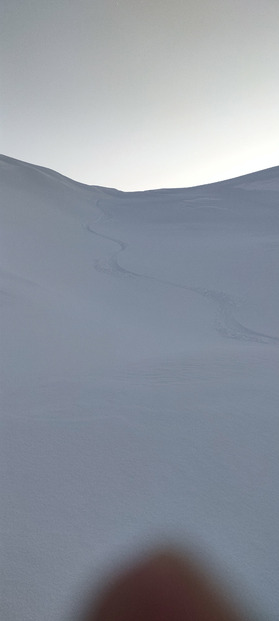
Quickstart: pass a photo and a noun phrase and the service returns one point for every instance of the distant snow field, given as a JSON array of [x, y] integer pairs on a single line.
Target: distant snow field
[[139, 382]]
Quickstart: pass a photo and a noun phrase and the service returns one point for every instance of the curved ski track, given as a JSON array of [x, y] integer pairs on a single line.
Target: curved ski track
[[225, 323]]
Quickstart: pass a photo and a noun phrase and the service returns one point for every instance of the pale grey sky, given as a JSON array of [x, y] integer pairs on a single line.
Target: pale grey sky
[[139, 94]]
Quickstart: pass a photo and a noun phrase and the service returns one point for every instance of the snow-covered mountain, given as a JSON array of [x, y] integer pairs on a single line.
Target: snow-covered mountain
[[139, 381]]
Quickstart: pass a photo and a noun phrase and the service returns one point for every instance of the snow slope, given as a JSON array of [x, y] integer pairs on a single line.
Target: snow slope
[[139, 381]]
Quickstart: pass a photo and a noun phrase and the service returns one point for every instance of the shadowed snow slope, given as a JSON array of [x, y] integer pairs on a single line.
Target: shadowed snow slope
[[139, 381]]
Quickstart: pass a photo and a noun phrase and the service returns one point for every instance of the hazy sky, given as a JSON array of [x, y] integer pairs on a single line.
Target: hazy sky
[[139, 94]]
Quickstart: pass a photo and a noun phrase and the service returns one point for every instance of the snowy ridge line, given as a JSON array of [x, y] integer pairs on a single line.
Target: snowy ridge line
[[226, 324]]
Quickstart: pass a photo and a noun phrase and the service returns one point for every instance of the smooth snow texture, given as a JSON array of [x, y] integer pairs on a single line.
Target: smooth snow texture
[[139, 380]]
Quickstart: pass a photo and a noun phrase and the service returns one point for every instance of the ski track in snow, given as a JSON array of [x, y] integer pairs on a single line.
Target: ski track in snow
[[114, 434], [225, 324]]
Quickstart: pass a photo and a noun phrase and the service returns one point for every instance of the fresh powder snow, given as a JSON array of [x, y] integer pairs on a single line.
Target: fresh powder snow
[[139, 383]]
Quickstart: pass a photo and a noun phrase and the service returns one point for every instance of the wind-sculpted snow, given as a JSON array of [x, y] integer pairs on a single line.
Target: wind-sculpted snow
[[139, 382]]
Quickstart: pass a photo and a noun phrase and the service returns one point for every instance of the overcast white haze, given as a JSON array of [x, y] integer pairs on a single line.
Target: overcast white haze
[[138, 94]]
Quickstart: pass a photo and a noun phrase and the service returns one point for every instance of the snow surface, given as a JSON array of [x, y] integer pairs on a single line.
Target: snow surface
[[139, 382]]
